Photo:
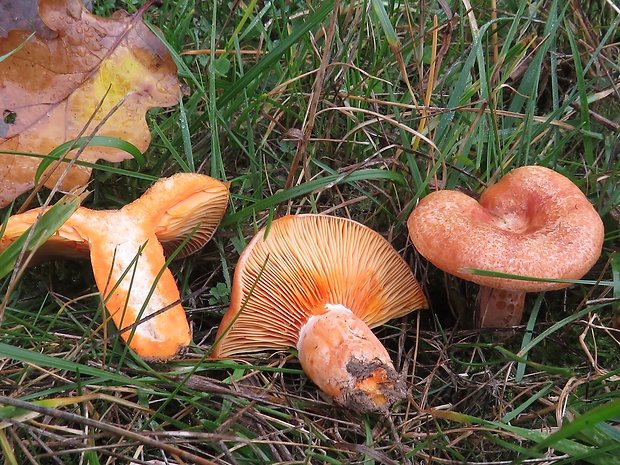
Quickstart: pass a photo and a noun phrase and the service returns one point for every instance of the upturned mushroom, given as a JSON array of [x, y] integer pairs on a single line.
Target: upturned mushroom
[[534, 222], [126, 249], [318, 284]]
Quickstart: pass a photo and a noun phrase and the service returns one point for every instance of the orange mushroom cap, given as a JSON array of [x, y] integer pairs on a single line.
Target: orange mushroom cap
[[128, 259], [533, 222], [305, 267]]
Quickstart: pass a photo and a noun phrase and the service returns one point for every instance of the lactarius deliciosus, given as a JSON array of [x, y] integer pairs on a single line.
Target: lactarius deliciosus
[[534, 222], [126, 249], [319, 283]]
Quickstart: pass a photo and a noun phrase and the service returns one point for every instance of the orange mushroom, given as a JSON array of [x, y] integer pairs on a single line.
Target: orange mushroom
[[126, 249], [319, 283], [534, 222]]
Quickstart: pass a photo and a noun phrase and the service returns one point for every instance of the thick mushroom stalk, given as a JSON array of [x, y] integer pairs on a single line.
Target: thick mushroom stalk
[[534, 222], [344, 358], [320, 283], [126, 249]]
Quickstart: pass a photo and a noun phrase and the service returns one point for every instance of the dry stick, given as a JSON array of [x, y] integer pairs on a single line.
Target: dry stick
[[469, 108], [472, 18], [72, 417], [19, 441], [609, 124], [429, 87], [613, 6], [427, 99], [314, 98]]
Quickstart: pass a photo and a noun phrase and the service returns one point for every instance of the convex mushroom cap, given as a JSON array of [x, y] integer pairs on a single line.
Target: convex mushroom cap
[[126, 249], [319, 283], [534, 222]]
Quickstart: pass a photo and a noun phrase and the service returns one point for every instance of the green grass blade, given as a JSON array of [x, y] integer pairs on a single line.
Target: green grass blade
[[95, 141], [587, 420], [39, 359], [312, 21], [309, 187]]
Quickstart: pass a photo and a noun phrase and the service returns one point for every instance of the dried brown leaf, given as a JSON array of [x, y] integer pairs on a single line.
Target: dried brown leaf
[[50, 88]]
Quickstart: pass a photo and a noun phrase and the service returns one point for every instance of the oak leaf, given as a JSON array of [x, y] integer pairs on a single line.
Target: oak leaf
[[50, 89], [22, 14]]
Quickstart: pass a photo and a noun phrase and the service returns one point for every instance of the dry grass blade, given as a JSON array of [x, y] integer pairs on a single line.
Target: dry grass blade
[[314, 100]]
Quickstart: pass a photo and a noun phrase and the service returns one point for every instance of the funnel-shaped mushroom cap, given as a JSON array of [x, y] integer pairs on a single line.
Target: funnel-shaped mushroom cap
[[184, 205], [300, 264], [533, 222], [128, 260]]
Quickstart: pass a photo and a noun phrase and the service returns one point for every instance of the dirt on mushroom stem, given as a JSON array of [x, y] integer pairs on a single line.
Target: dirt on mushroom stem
[[347, 361]]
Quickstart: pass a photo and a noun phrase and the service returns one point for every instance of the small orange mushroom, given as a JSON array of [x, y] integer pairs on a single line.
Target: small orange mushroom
[[534, 222], [319, 283], [126, 250]]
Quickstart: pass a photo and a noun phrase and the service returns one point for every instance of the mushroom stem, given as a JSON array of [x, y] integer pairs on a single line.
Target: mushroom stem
[[343, 357], [135, 284], [499, 308]]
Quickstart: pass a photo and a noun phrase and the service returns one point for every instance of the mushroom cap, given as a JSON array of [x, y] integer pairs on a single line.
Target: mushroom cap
[[66, 242], [300, 264], [533, 222], [185, 204]]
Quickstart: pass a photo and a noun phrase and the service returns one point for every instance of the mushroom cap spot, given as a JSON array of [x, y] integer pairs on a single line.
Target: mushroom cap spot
[[297, 267], [533, 222], [182, 205]]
